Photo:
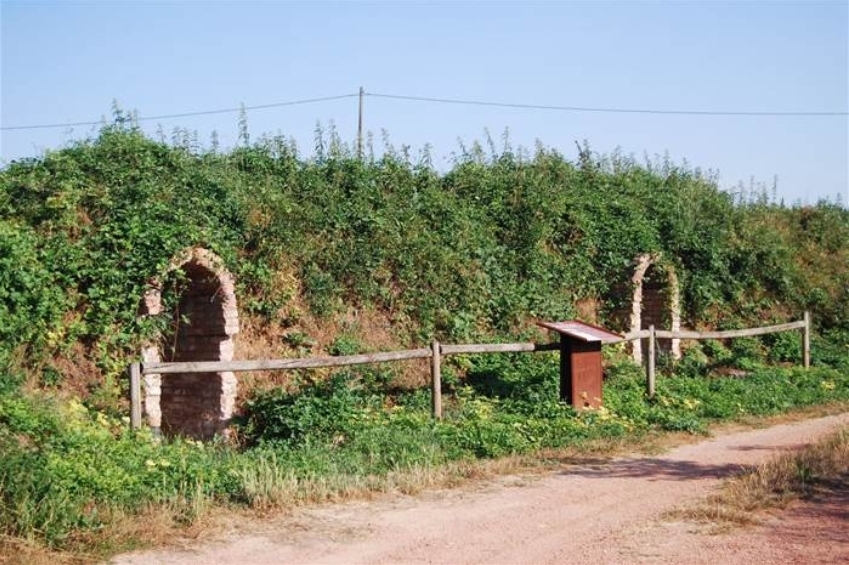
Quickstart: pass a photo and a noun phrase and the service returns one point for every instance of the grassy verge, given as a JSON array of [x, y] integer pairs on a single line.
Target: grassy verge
[[817, 469], [75, 480]]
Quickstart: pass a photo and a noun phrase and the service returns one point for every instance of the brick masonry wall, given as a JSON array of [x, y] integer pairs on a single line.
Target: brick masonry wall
[[198, 405], [655, 302], [655, 308]]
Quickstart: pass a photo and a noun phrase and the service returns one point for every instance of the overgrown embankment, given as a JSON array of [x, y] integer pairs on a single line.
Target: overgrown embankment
[[497, 240], [477, 252]]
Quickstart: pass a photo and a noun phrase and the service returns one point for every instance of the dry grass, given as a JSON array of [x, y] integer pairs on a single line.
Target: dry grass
[[793, 475], [816, 469], [587, 309], [268, 486], [154, 526], [16, 551]]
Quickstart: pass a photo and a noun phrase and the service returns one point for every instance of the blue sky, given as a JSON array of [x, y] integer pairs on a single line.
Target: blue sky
[[65, 62]]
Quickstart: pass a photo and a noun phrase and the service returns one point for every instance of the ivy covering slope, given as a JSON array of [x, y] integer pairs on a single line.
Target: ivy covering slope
[[500, 238]]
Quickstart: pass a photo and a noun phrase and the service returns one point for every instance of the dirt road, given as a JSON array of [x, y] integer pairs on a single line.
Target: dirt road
[[595, 512]]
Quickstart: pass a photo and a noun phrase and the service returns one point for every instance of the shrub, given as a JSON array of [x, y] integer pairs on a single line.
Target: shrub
[[65, 469]]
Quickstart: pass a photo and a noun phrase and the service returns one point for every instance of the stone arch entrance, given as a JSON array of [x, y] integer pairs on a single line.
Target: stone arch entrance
[[198, 405], [656, 301]]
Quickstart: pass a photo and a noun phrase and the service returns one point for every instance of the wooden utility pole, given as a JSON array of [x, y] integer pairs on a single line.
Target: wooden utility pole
[[360, 126]]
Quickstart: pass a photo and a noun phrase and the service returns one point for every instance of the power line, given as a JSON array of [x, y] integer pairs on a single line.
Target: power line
[[466, 102], [601, 110], [188, 114]]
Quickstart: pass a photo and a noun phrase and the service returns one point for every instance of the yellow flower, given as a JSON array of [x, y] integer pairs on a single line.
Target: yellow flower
[[76, 406], [691, 403]]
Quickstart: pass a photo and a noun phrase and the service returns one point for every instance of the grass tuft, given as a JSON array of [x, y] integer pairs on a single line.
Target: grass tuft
[[817, 468]]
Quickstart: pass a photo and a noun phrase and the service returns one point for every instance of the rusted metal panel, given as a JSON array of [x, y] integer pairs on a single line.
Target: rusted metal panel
[[585, 374], [580, 361]]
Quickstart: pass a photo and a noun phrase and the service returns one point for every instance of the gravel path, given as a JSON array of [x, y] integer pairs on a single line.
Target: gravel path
[[596, 512]]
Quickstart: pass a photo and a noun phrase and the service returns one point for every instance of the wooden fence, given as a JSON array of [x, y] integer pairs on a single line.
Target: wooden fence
[[652, 334], [435, 354]]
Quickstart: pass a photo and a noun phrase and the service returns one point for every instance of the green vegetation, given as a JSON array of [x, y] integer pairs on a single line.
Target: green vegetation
[[67, 470], [476, 252]]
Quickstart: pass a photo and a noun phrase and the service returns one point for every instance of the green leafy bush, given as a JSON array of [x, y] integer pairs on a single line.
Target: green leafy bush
[[66, 468], [32, 300], [472, 252]]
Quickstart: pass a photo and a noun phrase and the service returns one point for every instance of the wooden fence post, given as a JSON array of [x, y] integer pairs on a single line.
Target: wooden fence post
[[806, 341], [135, 395], [436, 381], [650, 364]]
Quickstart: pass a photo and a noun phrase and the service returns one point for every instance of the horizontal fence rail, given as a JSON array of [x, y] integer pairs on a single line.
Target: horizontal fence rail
[[282, 364], [340, 361], [497, 348], [652, 334], [435, 352], [725, 334]]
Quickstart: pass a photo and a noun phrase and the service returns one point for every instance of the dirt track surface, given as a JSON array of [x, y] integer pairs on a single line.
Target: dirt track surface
[[593, 512]]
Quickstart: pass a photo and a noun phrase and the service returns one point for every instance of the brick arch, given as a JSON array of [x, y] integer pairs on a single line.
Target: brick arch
[[198, 405], [656, 300]]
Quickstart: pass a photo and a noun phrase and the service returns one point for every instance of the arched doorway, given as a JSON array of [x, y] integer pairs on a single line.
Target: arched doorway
[[656, 301], [198, 405]]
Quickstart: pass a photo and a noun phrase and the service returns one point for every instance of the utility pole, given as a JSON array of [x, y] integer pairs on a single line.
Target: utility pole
[[360, 127]]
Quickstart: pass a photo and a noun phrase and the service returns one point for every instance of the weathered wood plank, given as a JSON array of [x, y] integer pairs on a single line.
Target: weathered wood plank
[[316, 362], [806, 341], [283, 364], [497, 348], [135, 396], [436, 381], [727, 334], [650, 369], [642, 334], [724, 334]]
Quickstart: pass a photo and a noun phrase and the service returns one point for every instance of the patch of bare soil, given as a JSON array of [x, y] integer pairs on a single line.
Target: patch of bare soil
[[593, 511]]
